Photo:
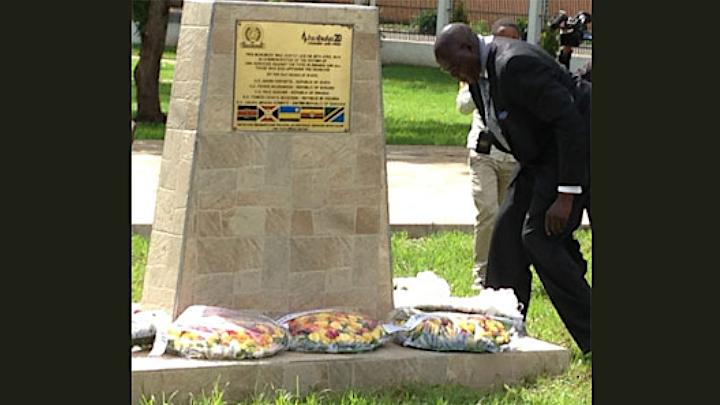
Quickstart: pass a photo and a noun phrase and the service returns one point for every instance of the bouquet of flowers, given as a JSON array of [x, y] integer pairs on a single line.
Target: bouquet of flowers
[[452, 331], [205, 332], [333, 331]]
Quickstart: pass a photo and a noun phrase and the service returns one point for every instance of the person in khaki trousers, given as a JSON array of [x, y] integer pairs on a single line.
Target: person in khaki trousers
[[490, 173]]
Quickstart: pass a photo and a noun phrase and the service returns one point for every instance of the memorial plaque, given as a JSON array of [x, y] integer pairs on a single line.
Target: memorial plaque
[[292, 76]]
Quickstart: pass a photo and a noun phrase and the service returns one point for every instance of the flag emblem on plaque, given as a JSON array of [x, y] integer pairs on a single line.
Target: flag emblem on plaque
[[289, 113], [269, 113], [247, 112], [334, 114], [312, 114]]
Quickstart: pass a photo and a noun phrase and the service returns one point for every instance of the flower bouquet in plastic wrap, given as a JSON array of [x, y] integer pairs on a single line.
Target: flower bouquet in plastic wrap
[[483, 323], [333, 331], [205, 332], [453, 331], [144, 326]]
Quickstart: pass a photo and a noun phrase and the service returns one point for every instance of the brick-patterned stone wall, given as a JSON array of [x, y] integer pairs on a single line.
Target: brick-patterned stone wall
[[273, 221], [168, 244]]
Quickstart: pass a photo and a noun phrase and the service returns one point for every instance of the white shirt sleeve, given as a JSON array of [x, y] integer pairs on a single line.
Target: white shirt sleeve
[[464, 101], [570, 189]]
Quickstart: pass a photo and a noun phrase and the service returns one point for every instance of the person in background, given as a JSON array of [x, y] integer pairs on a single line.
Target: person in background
[[586, 71], [490, 174], [572, 31]]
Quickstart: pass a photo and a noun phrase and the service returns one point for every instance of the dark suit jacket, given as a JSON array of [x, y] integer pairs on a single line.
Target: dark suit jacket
[[543, 110]]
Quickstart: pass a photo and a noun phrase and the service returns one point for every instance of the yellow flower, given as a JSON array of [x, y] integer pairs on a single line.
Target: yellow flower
[[315, 337], [335, 325], [344, 338], [468, 326], [173, 333]]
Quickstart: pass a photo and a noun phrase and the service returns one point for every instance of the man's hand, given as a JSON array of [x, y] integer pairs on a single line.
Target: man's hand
[[557, 215]]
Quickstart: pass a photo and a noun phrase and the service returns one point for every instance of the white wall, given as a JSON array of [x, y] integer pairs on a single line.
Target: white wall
[[394, 51]]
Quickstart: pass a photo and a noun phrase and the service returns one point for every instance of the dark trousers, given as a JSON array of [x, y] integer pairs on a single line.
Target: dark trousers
[[519, 239]]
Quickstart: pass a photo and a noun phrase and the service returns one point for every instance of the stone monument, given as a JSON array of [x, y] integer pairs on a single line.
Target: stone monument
[[273, 193]]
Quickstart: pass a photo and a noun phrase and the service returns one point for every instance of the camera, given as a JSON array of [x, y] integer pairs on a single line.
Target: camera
[[573, 29], [484, 142]]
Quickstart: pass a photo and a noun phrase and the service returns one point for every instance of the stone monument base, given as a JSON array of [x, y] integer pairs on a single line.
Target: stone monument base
[[301, 373]]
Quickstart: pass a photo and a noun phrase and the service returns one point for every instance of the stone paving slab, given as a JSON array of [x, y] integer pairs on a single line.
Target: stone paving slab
[[428, 188], [305, 372]]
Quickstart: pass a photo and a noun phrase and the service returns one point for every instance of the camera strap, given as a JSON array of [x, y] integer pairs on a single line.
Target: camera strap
[[477, 97], [478, 100]]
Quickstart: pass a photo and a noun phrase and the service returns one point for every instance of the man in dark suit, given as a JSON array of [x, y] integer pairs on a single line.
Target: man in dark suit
[[544, 114]]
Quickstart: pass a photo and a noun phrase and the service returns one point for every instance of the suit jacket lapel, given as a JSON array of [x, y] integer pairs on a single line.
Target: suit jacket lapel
[[492, 77], [495, 96]]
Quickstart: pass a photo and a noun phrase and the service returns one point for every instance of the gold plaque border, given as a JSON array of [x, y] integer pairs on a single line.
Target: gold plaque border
[[290, 128]]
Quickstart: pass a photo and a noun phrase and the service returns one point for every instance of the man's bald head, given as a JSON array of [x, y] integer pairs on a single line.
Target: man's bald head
[[453, 36], [457, 51]]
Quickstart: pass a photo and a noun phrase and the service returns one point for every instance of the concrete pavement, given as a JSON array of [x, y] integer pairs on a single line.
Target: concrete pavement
[[429, 187]]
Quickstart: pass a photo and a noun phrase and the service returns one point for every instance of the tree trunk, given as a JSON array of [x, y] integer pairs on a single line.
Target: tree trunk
[[147, 71]]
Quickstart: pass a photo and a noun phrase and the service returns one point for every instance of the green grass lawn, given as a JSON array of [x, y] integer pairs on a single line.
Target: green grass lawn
[[419, 105], [449, 255], [139, 247], [146, 130]]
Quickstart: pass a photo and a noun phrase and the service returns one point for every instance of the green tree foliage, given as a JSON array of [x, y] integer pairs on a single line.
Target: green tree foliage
[[459, 14], [549, 41], [426, 22], [522, 23], [481, 27]]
